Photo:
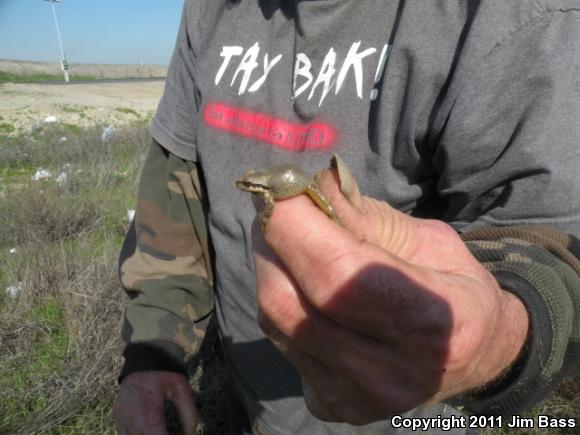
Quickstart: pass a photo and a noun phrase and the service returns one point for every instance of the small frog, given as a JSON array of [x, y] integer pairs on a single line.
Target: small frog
[[283, 181]]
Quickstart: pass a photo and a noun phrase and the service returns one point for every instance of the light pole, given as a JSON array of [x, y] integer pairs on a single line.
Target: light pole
[[63, 62]]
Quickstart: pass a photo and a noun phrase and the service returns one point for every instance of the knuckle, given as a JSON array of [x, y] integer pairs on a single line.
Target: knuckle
[[397, 401], [276, 303], [351, 415], [443, 229], [466, 343], [323, 409]]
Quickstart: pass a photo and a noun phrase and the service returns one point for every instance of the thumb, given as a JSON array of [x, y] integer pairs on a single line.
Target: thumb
[[367, 219], [426, 242], [347, 183], [181, 396]]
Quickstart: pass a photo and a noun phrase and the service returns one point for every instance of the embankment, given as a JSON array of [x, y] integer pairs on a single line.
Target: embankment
[[99, 71]]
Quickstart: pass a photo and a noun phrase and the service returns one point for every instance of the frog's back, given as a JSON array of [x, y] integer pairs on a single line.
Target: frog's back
[[288, 180]]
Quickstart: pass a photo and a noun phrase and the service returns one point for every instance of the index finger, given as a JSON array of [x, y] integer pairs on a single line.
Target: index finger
[[353, 283]]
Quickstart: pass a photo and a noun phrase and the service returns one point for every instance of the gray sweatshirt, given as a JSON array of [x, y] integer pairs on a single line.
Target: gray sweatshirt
[[466, 111]]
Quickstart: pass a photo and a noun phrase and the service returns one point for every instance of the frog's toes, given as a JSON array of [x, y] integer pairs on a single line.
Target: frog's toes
[[264, 223]]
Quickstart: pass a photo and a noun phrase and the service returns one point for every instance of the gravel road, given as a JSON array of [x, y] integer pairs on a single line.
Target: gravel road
[[25, 106]]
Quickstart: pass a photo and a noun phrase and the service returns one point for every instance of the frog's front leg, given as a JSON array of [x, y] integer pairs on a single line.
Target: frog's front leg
[[268, 207]]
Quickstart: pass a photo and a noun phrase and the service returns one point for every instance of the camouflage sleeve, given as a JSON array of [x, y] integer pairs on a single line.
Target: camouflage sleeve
[[542, 267], [165, 267]]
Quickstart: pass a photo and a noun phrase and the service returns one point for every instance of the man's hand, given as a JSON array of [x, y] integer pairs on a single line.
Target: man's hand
[[383, 314], [140, 405]]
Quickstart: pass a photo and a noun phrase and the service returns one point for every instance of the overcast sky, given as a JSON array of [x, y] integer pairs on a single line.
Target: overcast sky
[[103, 31]]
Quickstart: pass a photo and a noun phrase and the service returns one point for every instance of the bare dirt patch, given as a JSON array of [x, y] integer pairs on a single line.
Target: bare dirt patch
[[26, 106]]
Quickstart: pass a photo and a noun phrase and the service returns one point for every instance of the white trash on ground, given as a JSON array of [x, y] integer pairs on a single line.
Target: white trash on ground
[[14, 290], [13, 251], [65, 171], [50, 119], [107, 133], [62, 178], [130, 215], [41, 174]]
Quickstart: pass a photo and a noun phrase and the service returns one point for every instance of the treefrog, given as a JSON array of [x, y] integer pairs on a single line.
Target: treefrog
[[283, 181]]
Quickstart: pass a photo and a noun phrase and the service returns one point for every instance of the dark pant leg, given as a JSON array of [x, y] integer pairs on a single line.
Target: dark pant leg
[[239, 421]]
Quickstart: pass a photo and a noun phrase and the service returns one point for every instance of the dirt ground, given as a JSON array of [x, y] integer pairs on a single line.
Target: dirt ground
[[26, 106]]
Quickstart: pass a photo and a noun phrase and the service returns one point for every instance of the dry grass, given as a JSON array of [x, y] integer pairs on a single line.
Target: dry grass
[[59, 338], [60, 348], [563, 403]]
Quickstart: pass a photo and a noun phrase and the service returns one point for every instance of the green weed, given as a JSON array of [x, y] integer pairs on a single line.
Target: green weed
[[25, 367], [71, 128], [9, 77], [6, 127], [60, 351], [127, 111], [71, 108]]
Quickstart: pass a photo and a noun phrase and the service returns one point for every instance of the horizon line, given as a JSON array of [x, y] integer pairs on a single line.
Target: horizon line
[[57, 62]]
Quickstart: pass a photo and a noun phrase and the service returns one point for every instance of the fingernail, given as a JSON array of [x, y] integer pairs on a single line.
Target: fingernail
[[348, 184]]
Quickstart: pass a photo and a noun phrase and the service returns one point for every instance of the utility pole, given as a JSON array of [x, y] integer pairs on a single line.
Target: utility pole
[[63, 62]]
